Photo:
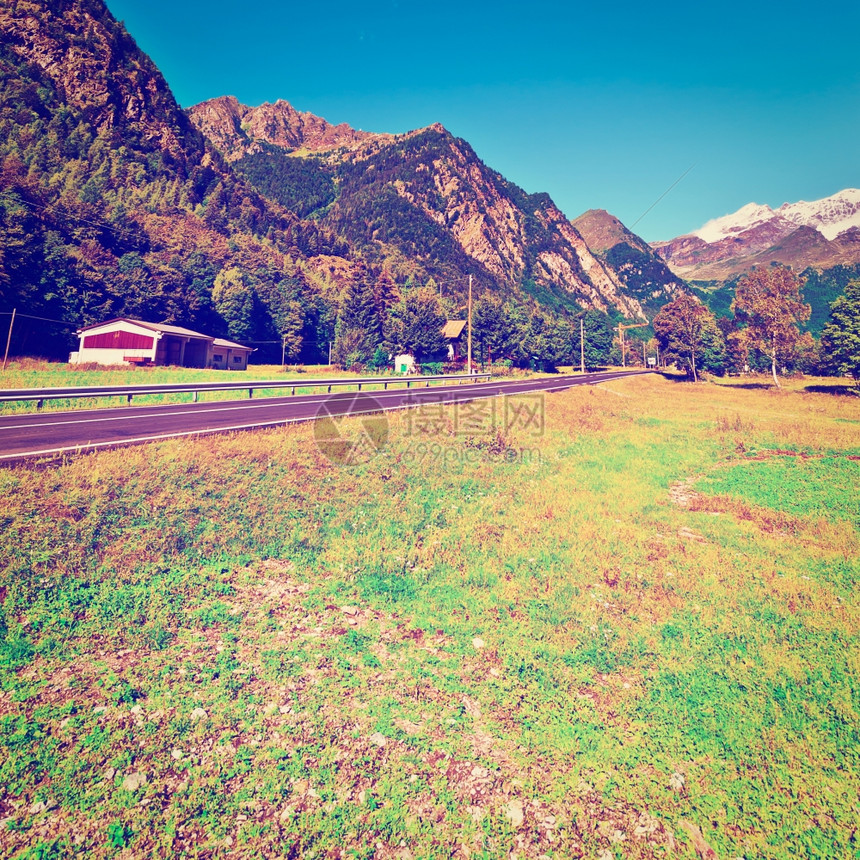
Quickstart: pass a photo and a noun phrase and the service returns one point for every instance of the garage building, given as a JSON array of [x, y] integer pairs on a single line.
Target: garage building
[[129, 342]]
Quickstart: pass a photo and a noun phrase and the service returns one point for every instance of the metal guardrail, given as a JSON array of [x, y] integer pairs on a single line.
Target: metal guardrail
[[40, 395]]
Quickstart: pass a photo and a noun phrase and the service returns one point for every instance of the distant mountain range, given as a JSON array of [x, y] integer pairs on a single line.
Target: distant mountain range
[[423, 202], [248, 221], [820, 235]]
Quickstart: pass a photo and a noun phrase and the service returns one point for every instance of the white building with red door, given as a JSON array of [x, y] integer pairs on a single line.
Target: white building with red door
[[133, 342]]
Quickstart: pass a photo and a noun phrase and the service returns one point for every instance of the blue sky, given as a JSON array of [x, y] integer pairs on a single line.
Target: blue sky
[[601, 105]]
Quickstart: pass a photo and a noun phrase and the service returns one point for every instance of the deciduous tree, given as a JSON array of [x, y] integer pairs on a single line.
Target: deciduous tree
[[688, 335], [489, 327], [769, 305], [597, 334]]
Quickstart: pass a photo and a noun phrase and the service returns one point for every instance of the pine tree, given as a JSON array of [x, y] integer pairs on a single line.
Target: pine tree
[[840, 339], [415, 325], [357, 331]]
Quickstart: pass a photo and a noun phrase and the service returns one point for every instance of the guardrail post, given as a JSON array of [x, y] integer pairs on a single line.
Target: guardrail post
[[195, 397], [385, 386], [359, 386], [250, 394], [128, 398], [39, 404], [408, 382], [293, 390], [329, 389]]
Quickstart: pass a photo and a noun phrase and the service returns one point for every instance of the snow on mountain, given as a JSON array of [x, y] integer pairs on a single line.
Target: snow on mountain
[[747, 217], [830, 216]]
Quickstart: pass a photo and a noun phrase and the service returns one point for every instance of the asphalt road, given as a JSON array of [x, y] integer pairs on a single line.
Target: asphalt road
[[36, 435]]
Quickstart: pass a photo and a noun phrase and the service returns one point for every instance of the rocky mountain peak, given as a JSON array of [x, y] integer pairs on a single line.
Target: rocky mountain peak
[[603, 231], [98, 68], [643, 273], [237, 129], [830, 216]]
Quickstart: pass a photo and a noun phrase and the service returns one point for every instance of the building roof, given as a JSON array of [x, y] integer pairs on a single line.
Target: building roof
[[453, 329], [229, 344], [164, 328], [173, 329]]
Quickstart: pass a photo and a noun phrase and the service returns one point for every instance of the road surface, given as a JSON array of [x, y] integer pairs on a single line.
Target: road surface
[[38, 435]]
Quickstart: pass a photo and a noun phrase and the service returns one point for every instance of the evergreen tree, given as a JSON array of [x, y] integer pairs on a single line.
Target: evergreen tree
[[234, 298], [414, 325], [357, 332], [840, 339]]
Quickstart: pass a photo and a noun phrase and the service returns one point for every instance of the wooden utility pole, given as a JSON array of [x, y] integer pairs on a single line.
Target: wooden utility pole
[[582, 345], [469, 337], [621, 330], [9, 337]]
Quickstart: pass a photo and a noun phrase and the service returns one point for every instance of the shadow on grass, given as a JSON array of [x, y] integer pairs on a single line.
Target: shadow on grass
[[750, 386], [675, 377], [838, 390]]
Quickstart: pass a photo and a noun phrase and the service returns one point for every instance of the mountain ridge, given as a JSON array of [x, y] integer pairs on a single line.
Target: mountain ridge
[[758, 235], [430, 175], [237, 130]]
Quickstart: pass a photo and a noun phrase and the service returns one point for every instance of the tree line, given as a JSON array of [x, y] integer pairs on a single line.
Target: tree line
[[379, 320], [764, 331]]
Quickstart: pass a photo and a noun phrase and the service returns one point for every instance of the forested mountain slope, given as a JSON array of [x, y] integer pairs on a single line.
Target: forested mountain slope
[[112, 203], [246, 222], [423, 202]]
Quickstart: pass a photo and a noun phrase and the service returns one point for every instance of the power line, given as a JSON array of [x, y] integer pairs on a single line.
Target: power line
[[43, 319], [662, 196]]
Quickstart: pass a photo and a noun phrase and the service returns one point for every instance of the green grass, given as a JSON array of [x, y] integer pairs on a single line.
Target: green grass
[[641, 621], [825, 488]]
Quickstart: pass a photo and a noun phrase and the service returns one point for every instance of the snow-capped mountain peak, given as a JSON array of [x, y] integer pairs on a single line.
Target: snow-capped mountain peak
[[830, 216], [747, 217]]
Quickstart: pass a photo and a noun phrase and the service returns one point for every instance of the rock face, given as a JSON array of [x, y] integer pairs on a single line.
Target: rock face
[[99, 70], [423, 196], [238, 130], [645, 275], [820, 234]]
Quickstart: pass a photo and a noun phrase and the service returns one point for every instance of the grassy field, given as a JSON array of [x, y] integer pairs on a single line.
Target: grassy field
[[617, 622]]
